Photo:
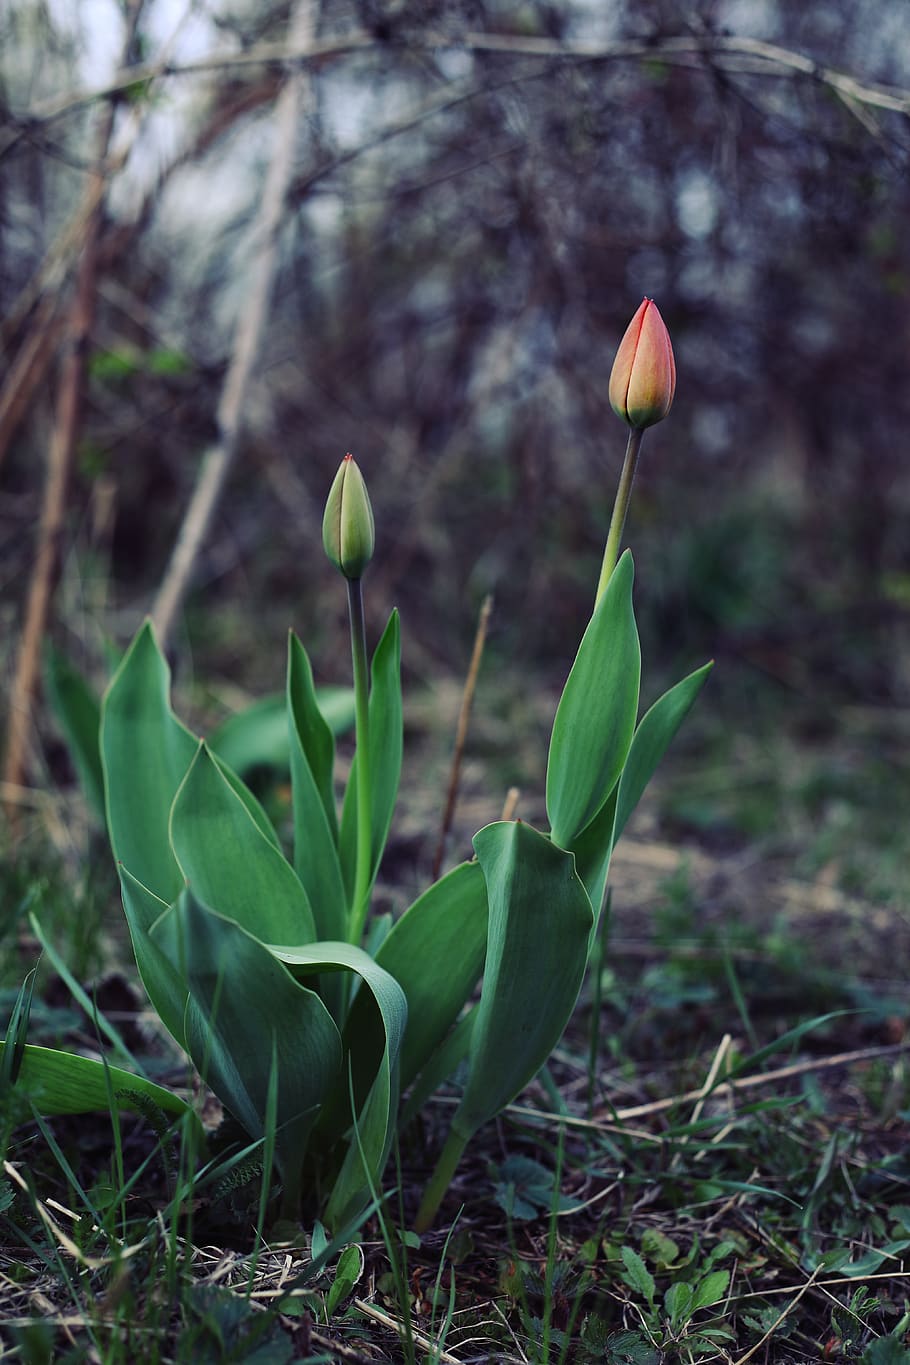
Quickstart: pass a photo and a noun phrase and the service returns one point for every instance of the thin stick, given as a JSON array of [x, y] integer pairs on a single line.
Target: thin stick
[[510, 805], [60, 459], [216, 463], [464, 716]]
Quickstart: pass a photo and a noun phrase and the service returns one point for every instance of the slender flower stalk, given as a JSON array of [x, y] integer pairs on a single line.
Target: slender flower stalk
[[361, 898], [642, 387], [620, 508], [348, 536]]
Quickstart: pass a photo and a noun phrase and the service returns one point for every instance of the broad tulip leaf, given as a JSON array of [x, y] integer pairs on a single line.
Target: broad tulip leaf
[[593, 848], [312, 756], [372, 1042], [244, 1009], [62, 1083], [385, 756], [537, 950], [595, 718], [78, 713], [254, 806], [230, 863], [257, 736], [145, 753], [435, 951], [161, 977], [656, 731]]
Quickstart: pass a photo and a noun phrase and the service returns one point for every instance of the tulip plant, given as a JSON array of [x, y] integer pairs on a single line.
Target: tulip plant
[[309, 1019]]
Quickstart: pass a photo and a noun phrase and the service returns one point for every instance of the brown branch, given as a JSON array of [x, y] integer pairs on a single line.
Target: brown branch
[[29, 368], [731, 53], [60, 459], [251, 321]]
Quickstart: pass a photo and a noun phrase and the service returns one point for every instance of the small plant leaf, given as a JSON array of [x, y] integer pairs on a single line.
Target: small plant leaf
[[435, 952], [145, 754], [595, 719], [230, 862], [679, 1303], [537, 949], [710, 1289], [347, 1273], [637, 1275]]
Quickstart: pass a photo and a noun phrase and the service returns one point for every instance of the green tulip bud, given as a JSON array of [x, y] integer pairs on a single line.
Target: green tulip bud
[[643, 379], [348, 532]]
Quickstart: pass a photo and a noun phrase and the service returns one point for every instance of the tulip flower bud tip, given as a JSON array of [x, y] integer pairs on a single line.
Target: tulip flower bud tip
[[348, 533], [643, 379]]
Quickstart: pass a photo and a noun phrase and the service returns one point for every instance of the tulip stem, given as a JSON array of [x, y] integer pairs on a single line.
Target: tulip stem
[[620, 508], [440, 1180], [361, 896]]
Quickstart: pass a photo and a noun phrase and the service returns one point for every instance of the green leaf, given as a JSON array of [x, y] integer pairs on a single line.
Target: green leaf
[[385, 756], [595, 719], [230, 863], [347, 1272], [63, 1083], [711, 1289], [637, 1275], [435, 951], [78, 713], [537, 948], [257, 736], [145, 754], [653, 737], [593, 848], [162, 979], [312, 757], [678, 1303], [372, 1043], [244, 1006]]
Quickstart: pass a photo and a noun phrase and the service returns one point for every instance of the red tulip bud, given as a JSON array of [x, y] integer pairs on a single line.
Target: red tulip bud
[[643, 379]]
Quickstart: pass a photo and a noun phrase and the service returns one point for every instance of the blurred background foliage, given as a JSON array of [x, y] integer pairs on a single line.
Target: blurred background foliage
[[482, 192]]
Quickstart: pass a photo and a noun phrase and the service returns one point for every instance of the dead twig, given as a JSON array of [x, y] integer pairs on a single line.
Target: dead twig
[[218, 458], [60, 458]]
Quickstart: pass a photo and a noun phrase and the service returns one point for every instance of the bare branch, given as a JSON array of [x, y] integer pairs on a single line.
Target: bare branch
[[247, 338], [60, 458], [729, 53]]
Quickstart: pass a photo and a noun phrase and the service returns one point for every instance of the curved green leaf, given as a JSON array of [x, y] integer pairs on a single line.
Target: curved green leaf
[[435, 951], [62, 1083], [312, 757], [656, 731], [244, 1009], [78, 713], [595, 718], [230, 863], [386, 728], [372, 1041], [257, 736], [537, 950], [145, 754], [162, 979]]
